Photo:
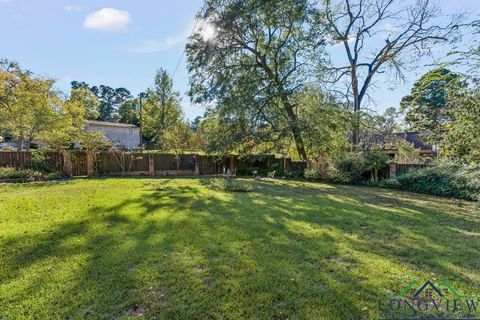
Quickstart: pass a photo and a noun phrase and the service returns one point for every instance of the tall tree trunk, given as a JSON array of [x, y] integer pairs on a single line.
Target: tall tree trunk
[[356, 110], [297, 136], [20, 142]]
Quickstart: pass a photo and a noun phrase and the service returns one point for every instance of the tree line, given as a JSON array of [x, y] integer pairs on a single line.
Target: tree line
[[269, 85]]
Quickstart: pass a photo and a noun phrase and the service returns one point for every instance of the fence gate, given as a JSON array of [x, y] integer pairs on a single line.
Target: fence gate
[[79, 164]]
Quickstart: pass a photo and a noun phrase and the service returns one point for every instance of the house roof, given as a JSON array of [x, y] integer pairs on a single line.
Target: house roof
[[110, 124], [415, 138]]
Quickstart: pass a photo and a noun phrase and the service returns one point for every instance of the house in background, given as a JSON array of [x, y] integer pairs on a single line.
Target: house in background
[[389, 143], [121, 135], [415, 139]]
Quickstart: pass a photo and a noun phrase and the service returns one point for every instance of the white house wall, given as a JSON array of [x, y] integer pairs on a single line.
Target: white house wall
[[119, 136]]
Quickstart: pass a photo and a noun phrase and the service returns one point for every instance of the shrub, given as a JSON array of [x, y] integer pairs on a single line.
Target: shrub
[[243, 171], [230, 185], [9, 174], [348, 168], [445, 178], [311, 174], [38, 160], [388, 183], [292, 174]]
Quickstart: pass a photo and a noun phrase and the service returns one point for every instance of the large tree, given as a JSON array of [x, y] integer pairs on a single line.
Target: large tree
[[162, 108], [461, 137], [28, 104], [84, 96], [324, 122], [111, 99], [380, 36], [249, 58], [128, 112], [427, 108]]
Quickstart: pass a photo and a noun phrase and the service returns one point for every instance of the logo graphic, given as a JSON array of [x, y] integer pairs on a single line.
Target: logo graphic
[[429, 300]]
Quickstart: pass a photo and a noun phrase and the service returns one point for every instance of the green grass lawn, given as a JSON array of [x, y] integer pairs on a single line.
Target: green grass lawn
[[174, 249]]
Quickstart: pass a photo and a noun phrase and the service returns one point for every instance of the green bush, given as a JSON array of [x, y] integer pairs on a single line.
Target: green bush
[[444, 178], [388, 183], [349, 168], [38, 162], [358, 167], [230, 185], [243, 171], [312, 174], [292, 174], [9, 174]]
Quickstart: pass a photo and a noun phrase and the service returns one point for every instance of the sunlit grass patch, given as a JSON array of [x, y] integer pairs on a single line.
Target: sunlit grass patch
[[174, 248]]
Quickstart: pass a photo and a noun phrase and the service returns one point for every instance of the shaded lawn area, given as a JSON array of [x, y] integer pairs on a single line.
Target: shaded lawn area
[[174, 249]]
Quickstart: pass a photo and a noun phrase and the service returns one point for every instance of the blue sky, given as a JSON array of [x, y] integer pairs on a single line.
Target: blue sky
[[121, 43]]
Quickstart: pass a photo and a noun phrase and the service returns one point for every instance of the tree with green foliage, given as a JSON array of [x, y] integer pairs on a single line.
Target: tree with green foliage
[[161, 109], [407, 153], [460, 138], [374, 161], [128, 112], [177, 139], [85, 97], [110, 99], [427, 108], [324, 123], [378, 130], [67, 130], [255, 63], [28, 104]]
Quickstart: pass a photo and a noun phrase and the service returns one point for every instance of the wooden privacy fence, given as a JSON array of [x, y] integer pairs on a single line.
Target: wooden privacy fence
[[126, 163], [23, 159]]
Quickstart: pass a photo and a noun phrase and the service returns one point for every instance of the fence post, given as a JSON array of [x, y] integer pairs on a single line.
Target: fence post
[[67, 163], [197, 165], [90, 164], [392, 170], [151, 165]]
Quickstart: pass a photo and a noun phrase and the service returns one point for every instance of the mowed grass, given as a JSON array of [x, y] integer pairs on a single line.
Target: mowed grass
[[174, 249]]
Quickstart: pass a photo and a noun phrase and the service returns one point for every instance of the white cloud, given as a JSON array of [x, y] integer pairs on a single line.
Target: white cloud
[[108, 20], [72, 8], [5, 1]]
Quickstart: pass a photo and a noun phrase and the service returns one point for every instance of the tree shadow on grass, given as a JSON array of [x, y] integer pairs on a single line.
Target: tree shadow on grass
[[177, 251]]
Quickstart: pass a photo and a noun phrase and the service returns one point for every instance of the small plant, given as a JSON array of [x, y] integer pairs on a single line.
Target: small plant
[[312, 174], [230, 185]]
